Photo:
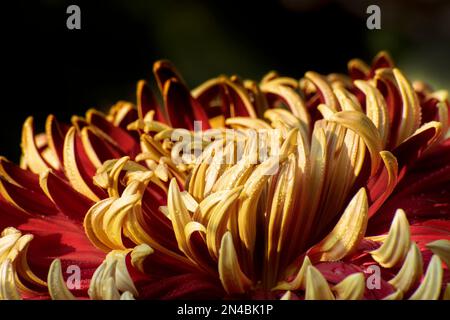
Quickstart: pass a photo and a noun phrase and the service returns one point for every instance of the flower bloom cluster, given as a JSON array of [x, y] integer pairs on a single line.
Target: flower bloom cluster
[[328, 187]]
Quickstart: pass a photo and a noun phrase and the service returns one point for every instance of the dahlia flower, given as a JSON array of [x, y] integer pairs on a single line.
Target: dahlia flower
[[328, 187]]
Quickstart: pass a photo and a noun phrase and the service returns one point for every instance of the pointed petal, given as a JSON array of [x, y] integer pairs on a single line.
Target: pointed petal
[[73, 169], [8, 289], [56, 284], [411, 270], [347, 233], [73, 204], [146, 101], [397, 295], [351, 288], [233, 279], [397, 243], [30, 151], [182, 108], [442, 249], [430, 288], [299, 282], [317, 287]]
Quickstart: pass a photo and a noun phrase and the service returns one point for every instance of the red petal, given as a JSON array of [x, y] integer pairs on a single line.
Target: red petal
[[407, 154], [147, 101], [167, 278], [182, 108], [127, 144], [28, 200], [70, 202], [54, 237]]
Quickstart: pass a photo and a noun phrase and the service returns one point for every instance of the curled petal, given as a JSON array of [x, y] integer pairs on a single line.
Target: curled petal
[[365, 128], [8, 289], [446, 295], [376, 108], [411, 270], [139, 254], [286, 296], [351, 288], [71, 166], [385, 183], [233, 279], [182, 108], [218, 220], [442, 249], [30, 150], [163, 71], [235, 100], [127, 295], [178, 214], [411, 114], [396, 295], [244, 122], [317, 287], [146, 101], [430, 288], [293, 100], [299, 282], [397, 244], [347, 233], [324, 89], [358, 69], [56, 284], [248, 201]]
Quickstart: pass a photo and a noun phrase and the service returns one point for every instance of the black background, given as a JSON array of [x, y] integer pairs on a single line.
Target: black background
[[47, 68]]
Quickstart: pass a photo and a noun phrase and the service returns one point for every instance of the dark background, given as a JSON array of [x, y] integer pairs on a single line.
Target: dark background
[[47, 68]]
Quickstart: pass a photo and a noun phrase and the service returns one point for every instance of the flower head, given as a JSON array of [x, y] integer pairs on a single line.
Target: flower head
[[330, 187]]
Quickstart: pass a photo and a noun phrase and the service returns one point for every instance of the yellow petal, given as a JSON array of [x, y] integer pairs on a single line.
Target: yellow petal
[[122, 279], [286, 296], [430, 288], [248, 201], [56, 284], [446, 295], [21, 263], [364, 127], [397, 295], [442, 249], [317, 287], [411, 271], [351, 288], [250, 123], [347, 100], [299, 282], [8, 289], [114, 217], [139, 254], [397, 244], [110, 291], [219, 219], [359, 65], [411, 112], [93, 225], [71, 167], [376, 108], [30, 151], [127, 296], [325, 111], [391, 165], [179, 214], [293, 100], [233, 279], [324, 88], [228, 85], [347, 233]]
